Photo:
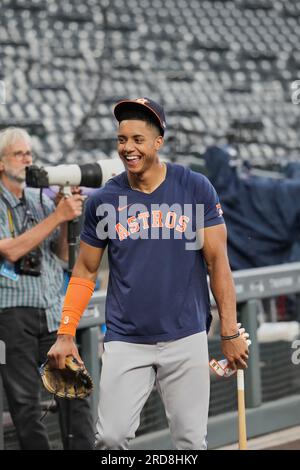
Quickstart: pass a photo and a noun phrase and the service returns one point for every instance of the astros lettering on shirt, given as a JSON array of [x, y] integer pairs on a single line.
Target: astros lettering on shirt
[[157, 289]]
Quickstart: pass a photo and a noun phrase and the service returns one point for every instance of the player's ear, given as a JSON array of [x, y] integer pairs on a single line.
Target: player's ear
[[159, 142]]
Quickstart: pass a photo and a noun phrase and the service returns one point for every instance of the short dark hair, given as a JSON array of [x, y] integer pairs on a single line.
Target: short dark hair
[[141, 115]]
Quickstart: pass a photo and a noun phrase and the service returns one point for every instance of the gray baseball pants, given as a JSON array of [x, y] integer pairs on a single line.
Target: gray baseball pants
[[181, 372]]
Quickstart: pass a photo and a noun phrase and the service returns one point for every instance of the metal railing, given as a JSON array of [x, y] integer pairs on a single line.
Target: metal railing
[[251, 286]]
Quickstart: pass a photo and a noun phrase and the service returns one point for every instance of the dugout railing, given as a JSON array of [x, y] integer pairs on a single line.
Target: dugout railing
[[252, 286]]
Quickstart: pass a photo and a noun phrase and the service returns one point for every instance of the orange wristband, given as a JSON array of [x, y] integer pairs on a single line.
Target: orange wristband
[[78, 295]]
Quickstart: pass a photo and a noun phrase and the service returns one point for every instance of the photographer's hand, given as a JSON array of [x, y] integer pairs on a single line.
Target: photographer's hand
[[60, 195], [69, 208]]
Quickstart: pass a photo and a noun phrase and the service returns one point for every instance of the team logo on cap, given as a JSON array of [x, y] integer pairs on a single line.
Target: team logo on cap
[[142, 100]]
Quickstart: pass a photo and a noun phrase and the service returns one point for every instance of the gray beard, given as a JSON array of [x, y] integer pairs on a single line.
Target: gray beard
[[15, 178]]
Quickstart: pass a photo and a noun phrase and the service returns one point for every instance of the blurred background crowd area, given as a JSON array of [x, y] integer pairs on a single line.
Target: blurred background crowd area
[[222, 69]]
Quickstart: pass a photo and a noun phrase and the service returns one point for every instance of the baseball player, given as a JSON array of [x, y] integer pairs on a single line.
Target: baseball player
[[163, 226]]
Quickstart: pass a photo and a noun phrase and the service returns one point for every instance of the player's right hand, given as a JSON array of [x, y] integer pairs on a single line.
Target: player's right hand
[[64, 346]]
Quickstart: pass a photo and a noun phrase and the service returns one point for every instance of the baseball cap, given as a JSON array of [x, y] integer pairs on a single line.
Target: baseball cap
[[141, 103]]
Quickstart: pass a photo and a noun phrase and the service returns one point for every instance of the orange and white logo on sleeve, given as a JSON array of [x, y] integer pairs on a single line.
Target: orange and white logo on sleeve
[[219, 210]]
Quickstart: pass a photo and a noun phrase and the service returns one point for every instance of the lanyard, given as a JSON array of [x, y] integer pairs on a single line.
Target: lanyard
[[10, 222]]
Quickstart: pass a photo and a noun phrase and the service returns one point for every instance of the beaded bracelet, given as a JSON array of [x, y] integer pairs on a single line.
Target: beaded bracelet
[[226, 338]]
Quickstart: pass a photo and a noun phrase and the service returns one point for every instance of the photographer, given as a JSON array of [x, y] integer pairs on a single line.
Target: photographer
[[33, 235]]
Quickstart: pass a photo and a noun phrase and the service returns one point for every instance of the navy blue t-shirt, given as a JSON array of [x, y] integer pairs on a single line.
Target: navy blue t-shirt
[[157, 288]]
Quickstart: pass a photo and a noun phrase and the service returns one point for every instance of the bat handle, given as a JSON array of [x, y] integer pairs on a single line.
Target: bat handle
[[241, 410]]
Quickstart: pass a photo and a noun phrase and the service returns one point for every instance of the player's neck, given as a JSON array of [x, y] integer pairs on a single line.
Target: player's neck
[[149, 180]]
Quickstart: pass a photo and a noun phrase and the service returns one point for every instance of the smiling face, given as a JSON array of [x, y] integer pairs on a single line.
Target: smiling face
[[138, 144]]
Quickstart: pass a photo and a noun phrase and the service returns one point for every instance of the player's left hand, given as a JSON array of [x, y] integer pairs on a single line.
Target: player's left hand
[[236, 350]]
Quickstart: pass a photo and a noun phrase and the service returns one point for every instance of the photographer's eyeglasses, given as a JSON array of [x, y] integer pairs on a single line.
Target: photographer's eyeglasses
[[19, 155]]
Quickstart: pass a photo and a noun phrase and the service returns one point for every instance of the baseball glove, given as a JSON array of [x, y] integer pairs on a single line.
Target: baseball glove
[[72, 382]]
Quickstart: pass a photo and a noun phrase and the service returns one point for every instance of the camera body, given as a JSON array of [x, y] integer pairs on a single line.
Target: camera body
[[30, 264]]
